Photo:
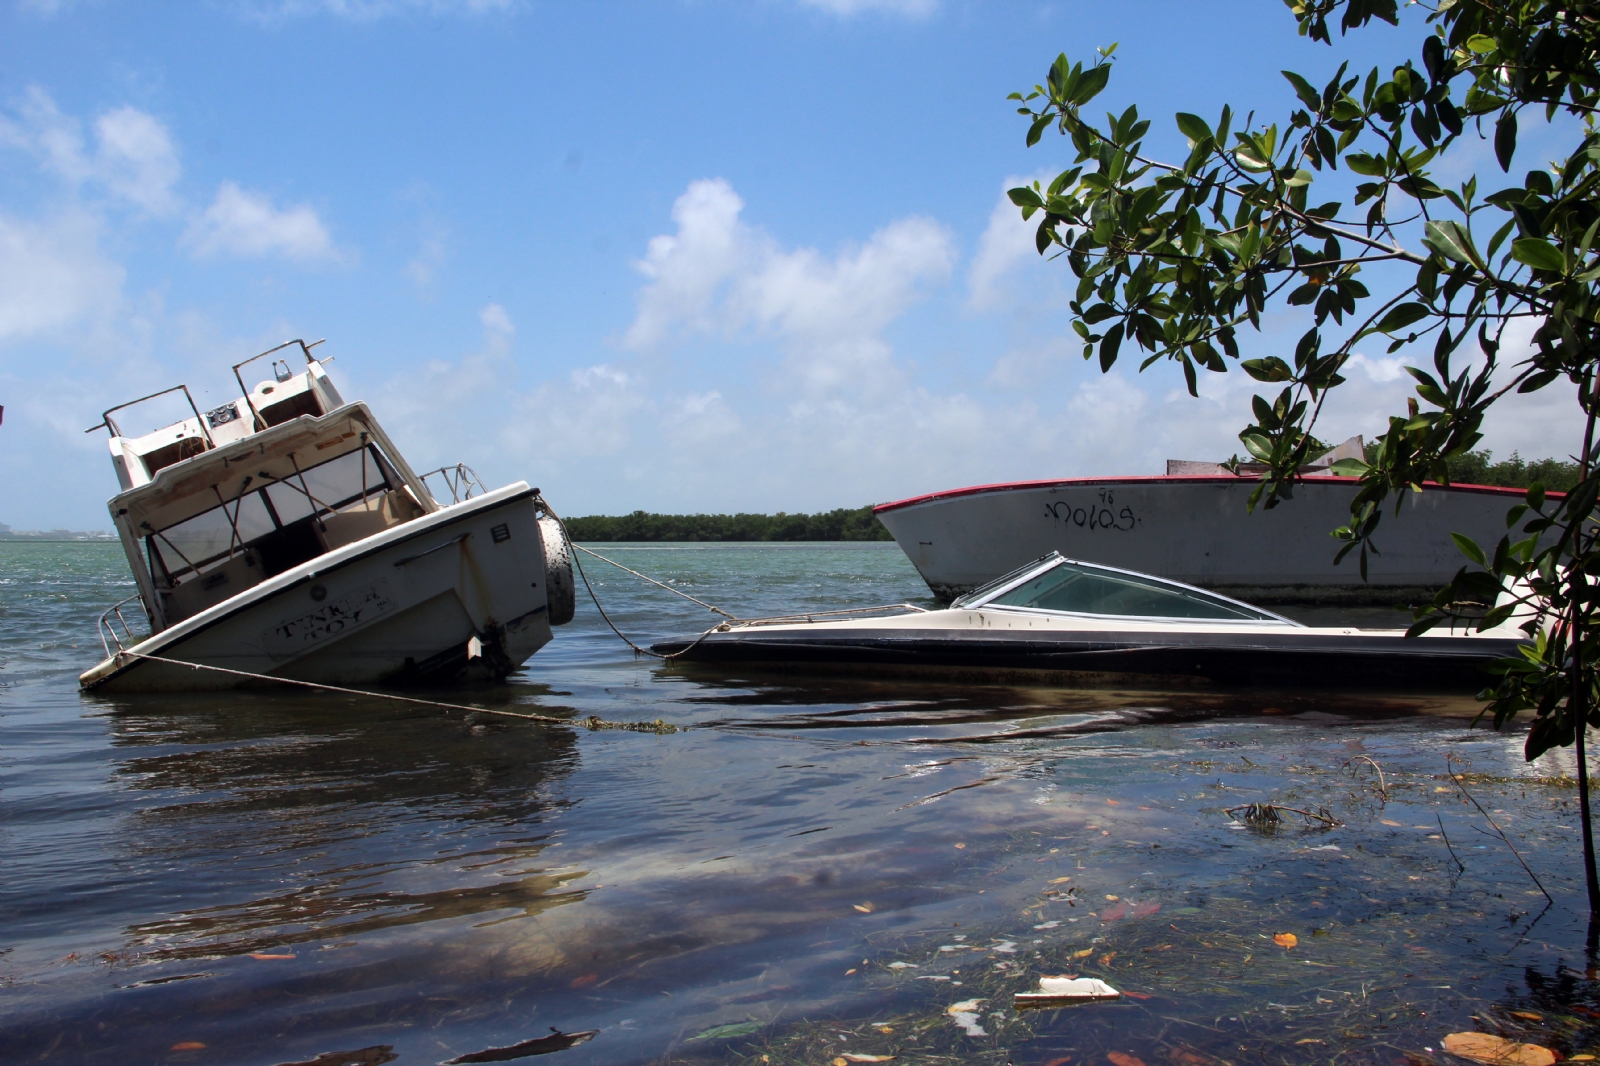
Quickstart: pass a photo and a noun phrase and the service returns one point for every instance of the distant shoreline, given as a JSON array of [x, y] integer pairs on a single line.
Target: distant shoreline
[[841, 524]]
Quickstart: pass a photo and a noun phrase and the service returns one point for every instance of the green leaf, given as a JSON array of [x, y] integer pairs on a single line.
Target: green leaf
[[1451, 240], [1373, 166], [1036, 130], [1302, 88], [1538, 253], [1505, 139], [1402, 316], [1350, 468], [1480, 44], [1469, 547], [1193, 127], [1257, 445], [1026, 198], [1109, 346]]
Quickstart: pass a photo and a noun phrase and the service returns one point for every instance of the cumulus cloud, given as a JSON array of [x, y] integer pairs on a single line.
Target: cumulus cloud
[[847, 8], [132, 156], [242, 223], [717, 274], [1006, 244], [52, 272]]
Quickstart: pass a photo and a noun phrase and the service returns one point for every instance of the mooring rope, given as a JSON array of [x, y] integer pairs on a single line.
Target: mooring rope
[[765, 621], [592, 722], [644, 577], [637, 650]]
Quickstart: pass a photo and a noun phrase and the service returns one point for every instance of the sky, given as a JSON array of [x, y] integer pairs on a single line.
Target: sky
[[680, 256]]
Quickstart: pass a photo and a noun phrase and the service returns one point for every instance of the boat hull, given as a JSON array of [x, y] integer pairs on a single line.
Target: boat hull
[[458, 591], [1197, 530], [1279, 659]]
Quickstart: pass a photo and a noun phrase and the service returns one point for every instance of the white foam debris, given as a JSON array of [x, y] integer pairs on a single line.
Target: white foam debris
[[1067, 990], [902, 966], [1051, 924], [1005, 947], [965, 1014]]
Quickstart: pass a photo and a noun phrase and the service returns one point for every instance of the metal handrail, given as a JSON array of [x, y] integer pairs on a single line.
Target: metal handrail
[[107, 424], [462, 481], [258, 423], [106, 628]]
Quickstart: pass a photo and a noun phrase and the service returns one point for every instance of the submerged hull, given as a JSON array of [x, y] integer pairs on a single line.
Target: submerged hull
[[459, 590], [1196, 530], [1279, 659]]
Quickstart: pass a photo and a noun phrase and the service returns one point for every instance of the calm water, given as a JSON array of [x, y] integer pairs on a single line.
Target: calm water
[[818, 868]]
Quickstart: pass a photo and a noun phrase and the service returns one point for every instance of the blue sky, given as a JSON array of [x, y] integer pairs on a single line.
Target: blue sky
[[681, 256]]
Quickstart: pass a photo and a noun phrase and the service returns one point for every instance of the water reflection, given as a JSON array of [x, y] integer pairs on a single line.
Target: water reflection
[[338, 794]]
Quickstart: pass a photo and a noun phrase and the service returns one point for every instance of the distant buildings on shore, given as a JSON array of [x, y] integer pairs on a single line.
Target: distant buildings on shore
[[7, 533]]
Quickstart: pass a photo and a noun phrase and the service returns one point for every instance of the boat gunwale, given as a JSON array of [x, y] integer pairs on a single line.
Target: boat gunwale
[[1183, 479]]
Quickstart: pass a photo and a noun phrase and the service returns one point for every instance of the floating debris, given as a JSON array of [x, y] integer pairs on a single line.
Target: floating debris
[[542, 1045], [1497, 1050], [376, 1055], [1055, 991], [965, 1014]]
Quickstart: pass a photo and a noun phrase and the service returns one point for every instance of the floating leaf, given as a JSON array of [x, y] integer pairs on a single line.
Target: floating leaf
[[264, 955], [1085, 953], [1112, 898], [188, 1045], [1528, 1014], [1122, 1058], [960, 845], [1387, 821], [864, 908], [1059, 880], [847, 1057], [718, 1032], [1497, 1050], [1285, 940]]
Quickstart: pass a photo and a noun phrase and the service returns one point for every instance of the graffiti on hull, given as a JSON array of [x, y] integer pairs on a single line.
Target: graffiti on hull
[[1099, 513]]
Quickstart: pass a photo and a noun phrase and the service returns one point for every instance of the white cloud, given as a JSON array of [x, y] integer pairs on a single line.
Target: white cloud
[[716, 274], [133, 157], [137, 160], [1006, 244], [53, 273], [847, 8], [244, 223]]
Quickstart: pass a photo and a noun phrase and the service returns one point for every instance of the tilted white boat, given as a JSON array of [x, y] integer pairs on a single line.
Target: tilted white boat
[[1082, 623], [1195, 527], [284, 535]]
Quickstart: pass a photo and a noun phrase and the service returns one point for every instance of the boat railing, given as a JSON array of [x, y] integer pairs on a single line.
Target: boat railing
[[461, 480], [110, 619]]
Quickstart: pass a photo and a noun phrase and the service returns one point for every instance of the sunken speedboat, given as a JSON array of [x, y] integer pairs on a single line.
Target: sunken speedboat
[[1082, 622], [284, 536]]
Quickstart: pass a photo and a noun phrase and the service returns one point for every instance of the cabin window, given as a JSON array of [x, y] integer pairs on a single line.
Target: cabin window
[[1084, 590], [283, 523]]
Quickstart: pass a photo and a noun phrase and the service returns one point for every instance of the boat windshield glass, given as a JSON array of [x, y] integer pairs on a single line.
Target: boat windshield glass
[[1081, 589]]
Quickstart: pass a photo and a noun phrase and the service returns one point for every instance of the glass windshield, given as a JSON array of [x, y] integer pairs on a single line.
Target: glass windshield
[[1082, 589], [214, 535]]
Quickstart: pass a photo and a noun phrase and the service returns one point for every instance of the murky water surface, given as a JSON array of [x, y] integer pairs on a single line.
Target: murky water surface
[[817, 870]]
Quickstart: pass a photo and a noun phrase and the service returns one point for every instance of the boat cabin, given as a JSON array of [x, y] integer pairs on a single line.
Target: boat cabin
[[216, 503]]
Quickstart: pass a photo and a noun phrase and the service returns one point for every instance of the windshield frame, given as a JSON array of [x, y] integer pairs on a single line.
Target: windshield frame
[[983, 596]]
